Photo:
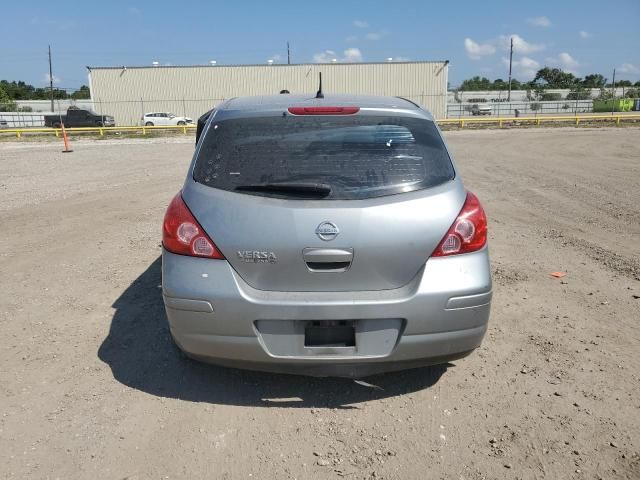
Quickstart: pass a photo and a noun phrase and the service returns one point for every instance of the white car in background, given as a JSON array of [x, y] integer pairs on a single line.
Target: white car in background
[[164, 118], [480, 109]]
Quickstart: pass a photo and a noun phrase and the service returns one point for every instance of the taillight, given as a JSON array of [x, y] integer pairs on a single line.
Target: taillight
[[182, 234], [323, 110], [468, 232]]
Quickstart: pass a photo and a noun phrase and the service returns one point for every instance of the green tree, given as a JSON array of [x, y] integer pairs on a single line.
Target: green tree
[[594, 80], [23, 91], [17, 90], [6, 104], [82, 93], [483, 83], [624, 83], [555, 78], [499, 84], [475, 83], [632, 93]]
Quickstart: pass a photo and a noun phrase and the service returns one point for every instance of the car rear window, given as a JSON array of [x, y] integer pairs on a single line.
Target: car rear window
[[357, 156]]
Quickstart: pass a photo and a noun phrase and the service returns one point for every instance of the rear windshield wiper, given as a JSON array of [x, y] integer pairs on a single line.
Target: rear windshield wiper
[[297, 189]]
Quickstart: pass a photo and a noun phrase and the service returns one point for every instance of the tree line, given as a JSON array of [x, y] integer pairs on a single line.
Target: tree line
[[546, 78], [10, 92]]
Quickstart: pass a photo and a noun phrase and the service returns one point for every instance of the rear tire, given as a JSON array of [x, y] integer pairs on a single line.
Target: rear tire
[[148, 124], [56, 125], [100, 124], [181, 123]]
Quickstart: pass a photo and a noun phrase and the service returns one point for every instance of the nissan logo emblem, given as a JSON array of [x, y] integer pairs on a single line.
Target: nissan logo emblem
[[327, 231]]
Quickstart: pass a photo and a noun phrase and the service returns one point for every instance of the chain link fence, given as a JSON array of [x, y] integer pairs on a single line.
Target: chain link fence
[[523, 108], [131, 112]]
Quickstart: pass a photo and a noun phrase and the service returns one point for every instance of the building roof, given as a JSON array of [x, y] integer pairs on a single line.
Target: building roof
[[265, 65]]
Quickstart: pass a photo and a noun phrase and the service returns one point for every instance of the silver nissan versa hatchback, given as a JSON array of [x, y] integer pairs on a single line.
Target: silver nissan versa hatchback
[[325, 236]]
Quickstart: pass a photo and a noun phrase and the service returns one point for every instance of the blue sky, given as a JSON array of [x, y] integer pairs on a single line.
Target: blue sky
[[579, 36]]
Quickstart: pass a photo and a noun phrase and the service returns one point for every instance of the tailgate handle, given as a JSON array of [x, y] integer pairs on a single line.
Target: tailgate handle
[[327, 259]]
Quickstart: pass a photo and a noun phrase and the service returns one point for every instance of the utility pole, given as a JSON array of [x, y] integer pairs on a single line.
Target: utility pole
[[613, 92], [510, 63], [288, 55], [50, 78]]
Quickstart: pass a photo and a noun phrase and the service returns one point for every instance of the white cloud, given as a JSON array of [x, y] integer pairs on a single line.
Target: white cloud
[[568, 61], [629, 68], [523, 67], [373, 36], [584, 34], [543, 22], [276, 57], [564, 61], [475, 51], [324, 57], [360, 24], [520, 45], [56, 80], [350, 55]]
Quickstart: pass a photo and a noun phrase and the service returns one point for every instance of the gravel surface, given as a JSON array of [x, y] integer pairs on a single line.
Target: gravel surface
[[92, 387]]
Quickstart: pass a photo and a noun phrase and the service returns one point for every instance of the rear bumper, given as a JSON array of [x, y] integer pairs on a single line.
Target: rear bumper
[[441, 315], [412, 351]]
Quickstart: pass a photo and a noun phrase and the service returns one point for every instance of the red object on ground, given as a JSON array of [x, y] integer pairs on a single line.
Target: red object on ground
[[558, 274], [65, 139]]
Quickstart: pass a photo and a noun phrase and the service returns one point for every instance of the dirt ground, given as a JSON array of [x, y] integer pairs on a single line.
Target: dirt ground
[[92, 387]]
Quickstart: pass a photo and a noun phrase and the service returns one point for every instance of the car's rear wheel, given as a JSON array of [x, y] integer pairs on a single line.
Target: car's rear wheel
[[99, 123], [148, 124], [181, 123], [56, 125]]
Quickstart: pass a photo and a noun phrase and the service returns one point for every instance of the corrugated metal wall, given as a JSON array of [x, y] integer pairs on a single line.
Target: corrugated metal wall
[[128, 92]]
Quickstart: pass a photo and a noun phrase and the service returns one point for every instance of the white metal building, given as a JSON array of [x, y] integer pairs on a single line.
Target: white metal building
[[128, 92]]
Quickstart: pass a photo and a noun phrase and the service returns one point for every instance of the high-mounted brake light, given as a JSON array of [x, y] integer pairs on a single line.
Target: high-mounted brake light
[[323, 110], [182, 234], [468, 232]]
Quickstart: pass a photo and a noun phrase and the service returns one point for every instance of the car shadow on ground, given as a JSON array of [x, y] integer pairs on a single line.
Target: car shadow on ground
[[141, 354]]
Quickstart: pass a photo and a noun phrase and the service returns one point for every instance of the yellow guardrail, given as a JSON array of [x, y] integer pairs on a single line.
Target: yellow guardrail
[[100, 130], [460, 122]]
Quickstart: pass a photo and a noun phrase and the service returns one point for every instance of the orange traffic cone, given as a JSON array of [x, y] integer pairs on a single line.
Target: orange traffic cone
[[65, 138]]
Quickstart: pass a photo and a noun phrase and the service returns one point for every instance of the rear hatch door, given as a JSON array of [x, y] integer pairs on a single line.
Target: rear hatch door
[[299, 203]]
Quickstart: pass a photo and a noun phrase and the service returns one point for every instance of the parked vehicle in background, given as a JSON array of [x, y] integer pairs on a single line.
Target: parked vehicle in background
[[164, 118], [79, 117], [325, 236], [481, 109]]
